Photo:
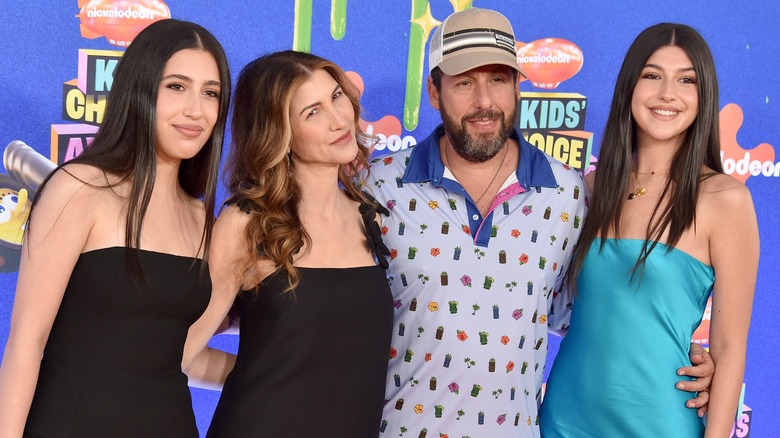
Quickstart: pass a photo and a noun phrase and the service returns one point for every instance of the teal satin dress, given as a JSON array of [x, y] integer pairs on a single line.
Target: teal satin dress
[[615, 373]]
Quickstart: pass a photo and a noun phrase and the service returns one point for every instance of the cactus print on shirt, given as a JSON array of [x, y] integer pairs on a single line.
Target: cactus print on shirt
[[473, 296]]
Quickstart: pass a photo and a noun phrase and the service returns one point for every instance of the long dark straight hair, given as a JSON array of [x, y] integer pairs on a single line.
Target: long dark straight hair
[[125, 144], [700, 147]]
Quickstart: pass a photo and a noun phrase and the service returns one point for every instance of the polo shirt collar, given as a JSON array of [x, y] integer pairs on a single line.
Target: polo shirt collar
[[425, 163]]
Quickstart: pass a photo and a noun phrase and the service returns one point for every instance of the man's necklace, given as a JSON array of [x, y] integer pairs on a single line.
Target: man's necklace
[[506, 151]]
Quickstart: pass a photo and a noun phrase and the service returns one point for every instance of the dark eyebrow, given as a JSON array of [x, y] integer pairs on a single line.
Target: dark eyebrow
[[178, 76], [658, 67], [317, 103], [186, 78]]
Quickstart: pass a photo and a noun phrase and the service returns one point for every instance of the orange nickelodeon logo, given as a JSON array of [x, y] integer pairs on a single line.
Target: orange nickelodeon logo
[[119, 20], [702, 334], [549, 61], [384, 133]]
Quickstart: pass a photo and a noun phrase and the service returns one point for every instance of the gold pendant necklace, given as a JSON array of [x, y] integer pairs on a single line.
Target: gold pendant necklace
[[637, 193], [641, 190]]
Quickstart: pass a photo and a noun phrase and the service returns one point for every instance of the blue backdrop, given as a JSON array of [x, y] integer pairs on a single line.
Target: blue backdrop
[[57, 74]]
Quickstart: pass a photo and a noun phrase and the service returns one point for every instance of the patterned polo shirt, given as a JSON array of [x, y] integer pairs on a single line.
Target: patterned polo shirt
[[473, 295]]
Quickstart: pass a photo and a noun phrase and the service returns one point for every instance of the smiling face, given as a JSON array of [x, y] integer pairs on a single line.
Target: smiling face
[[665, 101], [322, 120], [187, 104], [478, 109]]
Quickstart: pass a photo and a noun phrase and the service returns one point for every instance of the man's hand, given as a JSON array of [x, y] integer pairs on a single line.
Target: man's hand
[[703, 368]]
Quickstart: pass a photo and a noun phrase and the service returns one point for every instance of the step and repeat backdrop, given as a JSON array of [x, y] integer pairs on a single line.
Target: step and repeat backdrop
[[57, 60]]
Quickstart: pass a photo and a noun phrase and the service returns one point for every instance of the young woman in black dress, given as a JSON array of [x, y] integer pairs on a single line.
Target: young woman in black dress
[[112, 272]]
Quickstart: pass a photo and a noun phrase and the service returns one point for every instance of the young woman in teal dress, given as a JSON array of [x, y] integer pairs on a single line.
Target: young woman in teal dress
[[665, 229], [299, 245], [112, 272]]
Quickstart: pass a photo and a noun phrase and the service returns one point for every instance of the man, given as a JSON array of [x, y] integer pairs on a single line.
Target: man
[[482, 227]]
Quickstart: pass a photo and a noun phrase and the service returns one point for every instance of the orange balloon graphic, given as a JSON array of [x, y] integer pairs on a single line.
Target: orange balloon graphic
[[549, 61], [120, 20], [387, 125]]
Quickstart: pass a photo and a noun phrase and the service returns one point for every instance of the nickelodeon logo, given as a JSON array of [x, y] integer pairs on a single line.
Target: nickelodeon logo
[[554, 122], [120, 21], [384, 133], [738, 162], [702, 334], [746, 166], [119, 13], [549, 61]]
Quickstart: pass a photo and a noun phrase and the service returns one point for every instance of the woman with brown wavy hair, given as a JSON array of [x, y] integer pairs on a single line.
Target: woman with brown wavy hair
[[299, 245]]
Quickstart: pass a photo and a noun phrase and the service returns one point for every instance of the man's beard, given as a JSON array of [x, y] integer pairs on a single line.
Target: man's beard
[[484, 147]]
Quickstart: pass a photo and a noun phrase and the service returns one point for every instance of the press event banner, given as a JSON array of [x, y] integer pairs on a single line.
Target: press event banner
[[57, 60]]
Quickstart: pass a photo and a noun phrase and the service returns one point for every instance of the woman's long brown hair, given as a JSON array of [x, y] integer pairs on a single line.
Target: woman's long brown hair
[[259, 166]]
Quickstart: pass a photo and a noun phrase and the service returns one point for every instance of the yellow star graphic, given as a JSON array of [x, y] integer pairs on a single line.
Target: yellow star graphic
[[459, 5], [426, 22]]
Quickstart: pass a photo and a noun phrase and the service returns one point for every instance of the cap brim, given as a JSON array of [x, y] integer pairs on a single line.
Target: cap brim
[[468, 61]]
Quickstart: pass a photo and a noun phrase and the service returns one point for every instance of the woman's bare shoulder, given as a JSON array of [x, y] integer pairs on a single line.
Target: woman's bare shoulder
[[77, 183], [231, 216], [230, 230], [725, 190], [724, 201]]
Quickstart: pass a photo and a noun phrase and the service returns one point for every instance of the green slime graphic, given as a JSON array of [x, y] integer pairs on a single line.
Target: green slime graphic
[[414, 67], [302, 26], [338, 19]]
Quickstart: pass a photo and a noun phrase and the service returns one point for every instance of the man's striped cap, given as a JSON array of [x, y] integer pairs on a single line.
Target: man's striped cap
[[470, 39]]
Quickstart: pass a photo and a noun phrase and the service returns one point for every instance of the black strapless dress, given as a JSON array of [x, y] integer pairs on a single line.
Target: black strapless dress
[[112, 364], [312, 364]]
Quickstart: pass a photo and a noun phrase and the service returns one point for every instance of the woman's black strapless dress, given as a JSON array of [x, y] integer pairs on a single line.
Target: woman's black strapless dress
[[312, 364], [112, 363]]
